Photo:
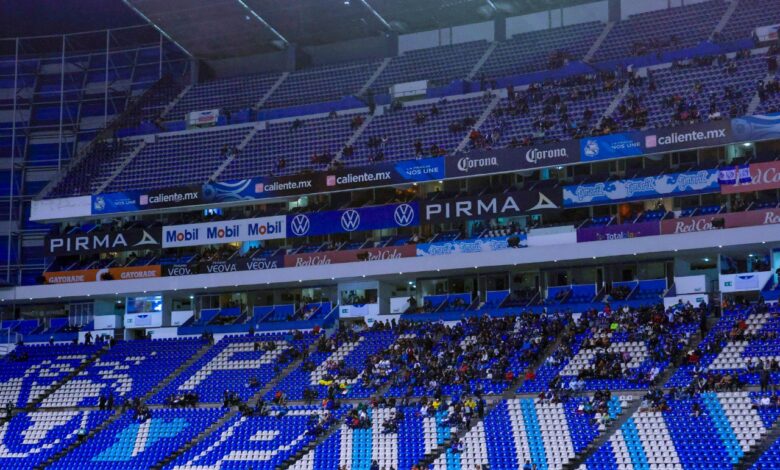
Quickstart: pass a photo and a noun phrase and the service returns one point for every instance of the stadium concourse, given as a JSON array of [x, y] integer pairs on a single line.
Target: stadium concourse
[[384, 235]]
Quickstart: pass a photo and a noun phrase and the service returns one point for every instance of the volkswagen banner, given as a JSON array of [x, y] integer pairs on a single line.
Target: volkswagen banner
[[353, 220]]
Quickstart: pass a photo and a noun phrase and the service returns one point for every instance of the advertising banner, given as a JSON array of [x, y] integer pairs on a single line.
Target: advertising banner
[[387, 174], [483, 162], [627, 144], [256, 263], [693, 182], [132, 272], [479, 245], [349, 256], [206, 117], [68, 277], [617, 232], [758, 127], [226, 231], [91, 275], [131, 201], [630, 144], [354, 220], [101, 241], [763, 176], [490, 206], [704, 223]]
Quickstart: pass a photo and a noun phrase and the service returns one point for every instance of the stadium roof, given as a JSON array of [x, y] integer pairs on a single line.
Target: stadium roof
[[231, 28]]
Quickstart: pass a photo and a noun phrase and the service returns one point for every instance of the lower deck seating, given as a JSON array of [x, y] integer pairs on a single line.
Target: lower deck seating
[[128, 443], [30, 438], [707, 431], [252, 442]]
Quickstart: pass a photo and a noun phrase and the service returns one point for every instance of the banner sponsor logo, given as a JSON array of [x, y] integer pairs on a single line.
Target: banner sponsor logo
[[534, 156], [357, 178], [719, 221], [610, 146], [69, 277], [403, 215], [488, 207], [686, 138], [178, 270], [618, 232], [642, 188], [100, 241], [169, 198], [299, 225], [92, 275], [263, 228], [478, 245], [354, 220], [763, 176], [349, 256], [257, 263]]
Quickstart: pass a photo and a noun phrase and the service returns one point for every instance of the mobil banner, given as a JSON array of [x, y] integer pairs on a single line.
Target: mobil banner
[[676, 184], [490, 206], [226, 231], [763, 176], [354, 220], [617, 232], [349, 256]]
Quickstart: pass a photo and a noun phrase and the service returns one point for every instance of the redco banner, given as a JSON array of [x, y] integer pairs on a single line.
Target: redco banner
[[350, 256], [762, 175], [718, 221]]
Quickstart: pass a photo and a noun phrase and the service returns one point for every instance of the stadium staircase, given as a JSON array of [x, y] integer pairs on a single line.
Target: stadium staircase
[[733, 4], [482, 61], [184, 366], [127, 118], [172, 103], [629, 411], [485, 114], [271, 90], [189, 445], [752, 456], [599, 41], [73, 445], [355, 135], [58, 384], [240, 147], [431, 457], [121, 167], [367, 86]]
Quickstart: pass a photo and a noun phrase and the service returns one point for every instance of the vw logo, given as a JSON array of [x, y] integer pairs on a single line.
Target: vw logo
[[403, 215], [350, 220], [300, 225]]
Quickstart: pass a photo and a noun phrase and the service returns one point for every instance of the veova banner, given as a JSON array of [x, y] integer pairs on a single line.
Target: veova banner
[[91, 275], [763, 176], [227, 231], [482, 162], [693, 182], [479, 245], [617, 232], [101, 241], [256, 263], [353, 220], [349, 256], [704, 223], [490, 206]]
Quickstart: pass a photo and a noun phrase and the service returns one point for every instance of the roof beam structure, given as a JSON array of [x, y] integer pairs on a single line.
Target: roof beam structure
[[376, 15], [157, 27], [264, 22]]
